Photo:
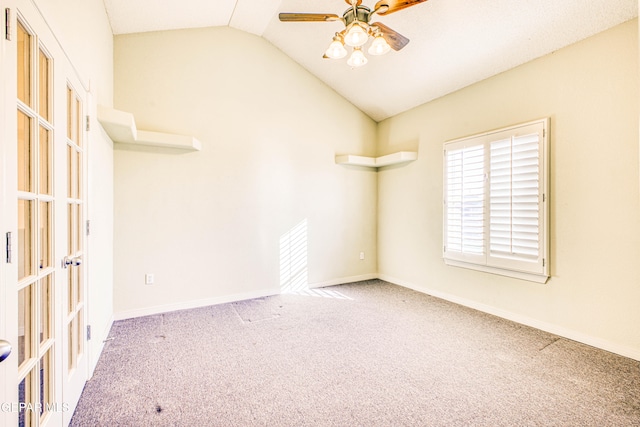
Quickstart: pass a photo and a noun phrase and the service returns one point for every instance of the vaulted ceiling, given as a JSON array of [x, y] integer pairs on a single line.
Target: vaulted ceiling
[[454, 43]]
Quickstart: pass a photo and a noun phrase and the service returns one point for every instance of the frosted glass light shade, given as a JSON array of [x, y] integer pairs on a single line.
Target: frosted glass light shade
[[357, 58], [356, 36], [336, 50], [379, 46]]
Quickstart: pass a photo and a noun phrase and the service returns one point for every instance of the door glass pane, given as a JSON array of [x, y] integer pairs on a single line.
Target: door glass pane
[[78, 284], [25, 151], [43, 107], [70, 158], [78, 122], [72, 344], [25, 238], [45, 161], [71, 249], [25, 317], [45, 234], [78, 229], [79, 341], [25, 418], [78, 175], [46, 308], [71, 279], [46, 382], [71, 115], [24, 65]]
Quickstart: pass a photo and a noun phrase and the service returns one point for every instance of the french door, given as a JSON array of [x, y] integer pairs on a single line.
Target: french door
[[42, 280]]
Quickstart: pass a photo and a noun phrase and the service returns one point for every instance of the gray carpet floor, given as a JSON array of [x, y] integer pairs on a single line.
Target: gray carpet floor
[[363, 354]]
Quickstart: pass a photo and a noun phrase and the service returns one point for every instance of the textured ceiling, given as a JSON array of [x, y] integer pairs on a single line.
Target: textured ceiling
[[454, 43]]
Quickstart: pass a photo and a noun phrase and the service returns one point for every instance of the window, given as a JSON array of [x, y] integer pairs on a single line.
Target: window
[[496, 202]]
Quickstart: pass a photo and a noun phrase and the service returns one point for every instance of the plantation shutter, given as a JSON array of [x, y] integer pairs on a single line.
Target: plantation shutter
[[464, 229], [495, 211], [515, 199]]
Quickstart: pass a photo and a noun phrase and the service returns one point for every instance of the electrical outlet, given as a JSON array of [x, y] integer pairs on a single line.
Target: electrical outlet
[[361, 255], [148, 279]]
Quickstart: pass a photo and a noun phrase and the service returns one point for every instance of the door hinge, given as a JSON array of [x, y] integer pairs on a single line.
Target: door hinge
[[444, 249], [544, 262], [8, 241], [88, 332], [88, 227], [7, 24], [88, 123]]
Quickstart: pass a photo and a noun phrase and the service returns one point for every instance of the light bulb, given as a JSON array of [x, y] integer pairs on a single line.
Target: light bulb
[[356, 36], [336, 49], [357, 58], [379, 46]]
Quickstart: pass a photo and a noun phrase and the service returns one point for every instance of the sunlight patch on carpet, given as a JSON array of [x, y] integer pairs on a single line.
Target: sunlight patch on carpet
[[323, 293]]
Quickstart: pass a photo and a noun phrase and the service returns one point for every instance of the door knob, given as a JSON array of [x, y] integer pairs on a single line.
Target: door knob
[[5, 349], [74, 262]]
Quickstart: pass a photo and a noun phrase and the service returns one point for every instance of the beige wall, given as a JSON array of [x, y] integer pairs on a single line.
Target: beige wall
[[208, 224], [590, 92]]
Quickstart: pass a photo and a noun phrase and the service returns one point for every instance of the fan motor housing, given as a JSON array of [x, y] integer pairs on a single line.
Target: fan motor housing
[[362, 15]]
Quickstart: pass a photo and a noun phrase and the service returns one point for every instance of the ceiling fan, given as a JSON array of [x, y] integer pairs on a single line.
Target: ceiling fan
[[358, 29]]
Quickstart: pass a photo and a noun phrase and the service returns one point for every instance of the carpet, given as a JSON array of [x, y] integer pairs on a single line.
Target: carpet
[[378, 355]]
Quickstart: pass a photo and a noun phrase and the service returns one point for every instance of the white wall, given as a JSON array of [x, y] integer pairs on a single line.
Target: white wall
[[590, 91], [83, 30], [100, 240], [208, 224]]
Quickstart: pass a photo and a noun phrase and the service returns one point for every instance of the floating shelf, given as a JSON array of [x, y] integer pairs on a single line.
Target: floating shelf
[[121, 128], [377, 162]]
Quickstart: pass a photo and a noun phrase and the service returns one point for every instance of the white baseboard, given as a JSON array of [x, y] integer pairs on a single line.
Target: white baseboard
[[581, 337], [147, 311], [343, 280]]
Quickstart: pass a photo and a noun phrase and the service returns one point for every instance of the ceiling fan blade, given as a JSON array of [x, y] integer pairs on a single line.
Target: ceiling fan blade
[[396, 40], [308, 17], [385, 7]]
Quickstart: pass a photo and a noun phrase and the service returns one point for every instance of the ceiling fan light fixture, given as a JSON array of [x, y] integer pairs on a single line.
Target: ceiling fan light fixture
[[379, 46], [336, 49], [357, 58], [356, 36], [358, 28]]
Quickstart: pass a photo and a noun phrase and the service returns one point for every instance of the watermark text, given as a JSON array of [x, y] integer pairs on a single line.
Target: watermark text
[[34, 407]]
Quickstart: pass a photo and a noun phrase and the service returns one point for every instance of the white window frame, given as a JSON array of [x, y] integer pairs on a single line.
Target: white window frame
[[496, 202]]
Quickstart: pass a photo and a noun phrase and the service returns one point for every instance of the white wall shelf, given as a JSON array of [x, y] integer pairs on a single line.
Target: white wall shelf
[[121, 128], [377, 162]]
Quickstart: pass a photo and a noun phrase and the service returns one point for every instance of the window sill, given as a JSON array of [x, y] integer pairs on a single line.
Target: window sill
[[531, 277]]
